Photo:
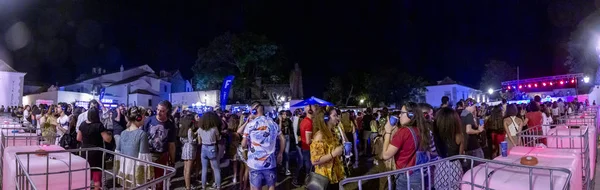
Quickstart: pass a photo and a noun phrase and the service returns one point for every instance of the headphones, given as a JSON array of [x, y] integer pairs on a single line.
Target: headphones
[[254, 111], [135, 114], [410, 115], [326, 119]]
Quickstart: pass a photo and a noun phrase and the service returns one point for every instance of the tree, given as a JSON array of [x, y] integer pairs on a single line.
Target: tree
[[335, 90], [583, 47], [248, 56], [495, 73]]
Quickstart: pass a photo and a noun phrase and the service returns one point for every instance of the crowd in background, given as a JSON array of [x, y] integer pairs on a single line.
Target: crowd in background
[[259, 146]]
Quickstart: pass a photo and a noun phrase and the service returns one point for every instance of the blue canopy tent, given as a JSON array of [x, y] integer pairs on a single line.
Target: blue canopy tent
[[312, 101]]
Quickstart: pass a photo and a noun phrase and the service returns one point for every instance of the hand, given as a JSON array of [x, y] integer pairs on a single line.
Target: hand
[[279, 158], [388, 127], [338, 151]]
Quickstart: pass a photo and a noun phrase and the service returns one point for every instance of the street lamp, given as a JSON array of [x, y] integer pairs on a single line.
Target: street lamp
[[586, 79], [362, 101], [490, 91]]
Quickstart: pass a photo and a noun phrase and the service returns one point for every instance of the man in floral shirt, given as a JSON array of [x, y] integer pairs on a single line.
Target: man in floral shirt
[[262, 133]]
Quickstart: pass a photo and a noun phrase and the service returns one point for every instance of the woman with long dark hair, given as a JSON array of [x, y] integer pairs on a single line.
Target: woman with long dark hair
[[93, 134], [449, 131], [413, 135], [208, 137], [495, 128], [512, 125]]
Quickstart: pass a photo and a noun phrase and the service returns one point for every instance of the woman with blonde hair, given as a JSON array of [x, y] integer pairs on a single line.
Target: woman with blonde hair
[[48, 125], [326, 149]]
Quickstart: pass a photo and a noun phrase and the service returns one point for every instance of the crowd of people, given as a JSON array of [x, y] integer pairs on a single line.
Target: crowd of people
[[318, 142]]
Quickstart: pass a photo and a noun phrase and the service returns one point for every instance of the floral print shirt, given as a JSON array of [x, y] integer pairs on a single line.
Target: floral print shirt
[[262, 134]]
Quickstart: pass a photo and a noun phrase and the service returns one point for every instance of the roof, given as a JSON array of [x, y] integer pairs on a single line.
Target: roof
[[6, 68], [87, 76], [133, 78], [142, 91]]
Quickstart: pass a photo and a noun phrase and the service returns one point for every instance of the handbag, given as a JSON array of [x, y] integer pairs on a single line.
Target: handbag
[[315, 181]]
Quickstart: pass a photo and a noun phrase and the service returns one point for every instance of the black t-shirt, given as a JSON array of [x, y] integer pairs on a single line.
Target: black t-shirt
[[160, 134], [473, 140], [91, 134], [366, 122]]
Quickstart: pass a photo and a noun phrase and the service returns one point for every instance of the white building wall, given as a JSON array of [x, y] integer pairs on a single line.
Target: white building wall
[[11, 88], [56, 97], [454, 91], [209, 97]]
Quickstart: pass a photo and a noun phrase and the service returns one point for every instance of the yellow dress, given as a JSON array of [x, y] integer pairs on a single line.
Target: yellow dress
[[321, 148]]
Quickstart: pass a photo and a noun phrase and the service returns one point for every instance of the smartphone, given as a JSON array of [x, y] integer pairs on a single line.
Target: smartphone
[[481, 121]]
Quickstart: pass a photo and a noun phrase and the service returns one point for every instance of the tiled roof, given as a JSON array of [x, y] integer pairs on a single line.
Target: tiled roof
[[141, 91], [133, 78]]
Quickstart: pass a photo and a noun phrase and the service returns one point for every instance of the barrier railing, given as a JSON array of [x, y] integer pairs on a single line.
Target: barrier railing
[[24, 177], [489, 167]]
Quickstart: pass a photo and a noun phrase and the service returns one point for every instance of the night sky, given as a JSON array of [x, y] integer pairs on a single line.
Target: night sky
[[432, 39]]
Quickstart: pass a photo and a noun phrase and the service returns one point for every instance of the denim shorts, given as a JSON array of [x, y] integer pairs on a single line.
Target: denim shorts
[[260, 178]]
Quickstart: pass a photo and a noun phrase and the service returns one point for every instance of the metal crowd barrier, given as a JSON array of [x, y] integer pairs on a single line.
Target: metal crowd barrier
[[24, 177], [534, 136], [10, 138], [459, 184]]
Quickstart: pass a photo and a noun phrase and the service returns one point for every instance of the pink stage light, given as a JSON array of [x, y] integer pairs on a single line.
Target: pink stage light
[[543, 84], [561, 82], [551, 84], [535, 85], [572, 81], [529, 86], [520, 86], [508, 87]]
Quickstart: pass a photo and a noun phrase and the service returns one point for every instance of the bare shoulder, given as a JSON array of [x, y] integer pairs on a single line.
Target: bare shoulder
[[318, 136]]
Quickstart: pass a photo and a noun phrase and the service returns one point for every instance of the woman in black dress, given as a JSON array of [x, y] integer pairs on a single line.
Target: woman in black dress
[[93, 134]]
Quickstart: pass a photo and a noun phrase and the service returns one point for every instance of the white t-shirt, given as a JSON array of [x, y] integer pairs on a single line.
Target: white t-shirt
[[63, 121], [25, 115], [80, 119]]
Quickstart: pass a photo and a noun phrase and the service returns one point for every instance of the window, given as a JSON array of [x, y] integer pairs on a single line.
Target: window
[[149, 102], [165, 88]]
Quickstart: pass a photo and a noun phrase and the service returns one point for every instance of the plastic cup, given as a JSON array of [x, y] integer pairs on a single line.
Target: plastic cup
[[347, 148]]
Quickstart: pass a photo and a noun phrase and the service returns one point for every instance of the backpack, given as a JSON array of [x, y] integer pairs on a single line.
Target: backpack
[[422, 157]]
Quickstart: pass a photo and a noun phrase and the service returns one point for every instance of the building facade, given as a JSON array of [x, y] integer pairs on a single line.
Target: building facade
[[139, 86], [454, 91]]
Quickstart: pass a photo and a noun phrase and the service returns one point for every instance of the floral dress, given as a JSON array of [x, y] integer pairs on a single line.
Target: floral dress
[[49, 130], [333, 170]]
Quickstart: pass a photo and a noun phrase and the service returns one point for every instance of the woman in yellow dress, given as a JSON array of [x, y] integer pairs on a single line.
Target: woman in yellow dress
[[48, 126], [326, 149]]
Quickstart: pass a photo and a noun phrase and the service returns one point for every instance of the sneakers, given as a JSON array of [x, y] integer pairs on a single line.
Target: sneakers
[[288, 173], [295, 183], [355, 165]]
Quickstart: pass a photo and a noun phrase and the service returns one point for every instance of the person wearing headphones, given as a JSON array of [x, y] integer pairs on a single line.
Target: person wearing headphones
[[134, 143], [83, 116], [93, 134], [260, 135], [63, 121]]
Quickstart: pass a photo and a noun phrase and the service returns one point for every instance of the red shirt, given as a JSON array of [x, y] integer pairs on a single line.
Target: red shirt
[[535, 119], [403, 140], [359, 123], [305, 125]]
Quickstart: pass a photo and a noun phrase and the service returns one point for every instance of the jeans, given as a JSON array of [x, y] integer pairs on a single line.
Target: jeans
[[475, 153], [209, 154], [402, 182], [260, 178], [304, 161], [286, 153]]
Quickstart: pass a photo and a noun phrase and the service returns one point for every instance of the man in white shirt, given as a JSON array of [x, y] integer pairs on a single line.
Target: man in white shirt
[[83, 116], [63, 121]]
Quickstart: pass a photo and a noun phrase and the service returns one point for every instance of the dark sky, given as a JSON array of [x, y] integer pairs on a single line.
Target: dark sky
[[432, 39]]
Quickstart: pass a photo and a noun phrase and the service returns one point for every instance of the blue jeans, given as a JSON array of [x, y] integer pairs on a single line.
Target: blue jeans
[[260, 178], [286, 153], [402, 182], [209, 154], [304, 162]]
